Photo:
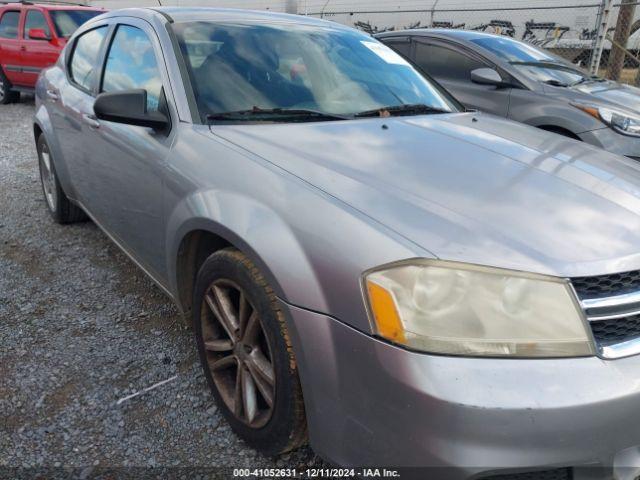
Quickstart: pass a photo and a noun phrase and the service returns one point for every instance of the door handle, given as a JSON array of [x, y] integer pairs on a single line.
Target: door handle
[[90, 120], [51, 95]]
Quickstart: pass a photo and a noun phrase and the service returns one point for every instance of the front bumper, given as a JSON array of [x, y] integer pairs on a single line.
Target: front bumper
[[373, 404], [614, 142]]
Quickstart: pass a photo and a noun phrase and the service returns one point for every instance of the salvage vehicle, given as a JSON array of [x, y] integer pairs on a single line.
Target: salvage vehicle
[[31, 38], [520, 81], [364, 263]]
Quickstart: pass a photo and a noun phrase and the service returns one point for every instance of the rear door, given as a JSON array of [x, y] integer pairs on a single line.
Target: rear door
[[37, 54], [10, 43], [451, 65], [71, 106]]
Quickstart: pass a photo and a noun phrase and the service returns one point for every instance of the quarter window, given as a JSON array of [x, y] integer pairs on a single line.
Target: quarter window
[[131, 64], [403, 47], [85, 57], [445, 63], [9, 24], [35, 19]]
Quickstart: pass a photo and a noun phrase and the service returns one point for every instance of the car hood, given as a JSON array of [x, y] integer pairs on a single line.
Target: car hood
[[613, 93], [470, 187]]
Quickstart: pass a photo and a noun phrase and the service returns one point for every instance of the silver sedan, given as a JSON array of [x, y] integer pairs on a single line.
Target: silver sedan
[[364, 264]]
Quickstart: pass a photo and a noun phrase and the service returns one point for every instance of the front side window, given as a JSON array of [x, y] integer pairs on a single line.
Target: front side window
[[84, 61], [236, 67], [66, 22], [35, 19], [9, 24], [131, 64], [445, 63], [532, 61]]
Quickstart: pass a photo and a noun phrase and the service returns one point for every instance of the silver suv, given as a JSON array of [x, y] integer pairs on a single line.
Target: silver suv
[[364, 265]]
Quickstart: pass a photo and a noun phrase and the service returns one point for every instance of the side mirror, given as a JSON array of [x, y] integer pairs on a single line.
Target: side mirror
[[129, 107], [487, 76], [38, 34]]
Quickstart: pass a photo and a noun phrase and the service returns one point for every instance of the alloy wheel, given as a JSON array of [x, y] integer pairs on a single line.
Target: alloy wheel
[[238, 353], [48, 177], [2, 89]]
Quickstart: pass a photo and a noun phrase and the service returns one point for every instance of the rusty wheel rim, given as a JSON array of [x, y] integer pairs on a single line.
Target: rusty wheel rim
[[238, 353]]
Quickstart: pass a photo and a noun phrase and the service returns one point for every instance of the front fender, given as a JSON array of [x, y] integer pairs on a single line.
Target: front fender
[[542, 110], [251, 227]]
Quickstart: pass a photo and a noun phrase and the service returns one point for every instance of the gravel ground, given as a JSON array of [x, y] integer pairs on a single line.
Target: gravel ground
[[80, 328]]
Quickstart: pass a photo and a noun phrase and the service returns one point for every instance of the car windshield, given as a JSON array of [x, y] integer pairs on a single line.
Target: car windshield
[[279, 68], [533, 61], [68, 21]]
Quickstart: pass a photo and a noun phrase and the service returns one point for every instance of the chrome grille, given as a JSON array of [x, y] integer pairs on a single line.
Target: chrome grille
[[616, 330], [612, 306], [607, 285]]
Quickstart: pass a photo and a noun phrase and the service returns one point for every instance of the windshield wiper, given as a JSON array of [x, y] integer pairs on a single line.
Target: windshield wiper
[[268, 114], [592, 78], [405, 109], [557, 83]]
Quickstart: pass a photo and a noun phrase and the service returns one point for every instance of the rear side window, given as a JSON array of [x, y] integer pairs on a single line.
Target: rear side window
[[131, 63], [445, 63], [9, 24], [84, 60], [35, 19]]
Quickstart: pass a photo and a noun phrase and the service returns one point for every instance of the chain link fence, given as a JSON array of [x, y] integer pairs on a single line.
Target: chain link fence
[[602, 36]]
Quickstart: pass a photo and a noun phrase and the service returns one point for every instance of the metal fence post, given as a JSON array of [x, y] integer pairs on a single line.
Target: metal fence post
[[601, 34], [617, 56]]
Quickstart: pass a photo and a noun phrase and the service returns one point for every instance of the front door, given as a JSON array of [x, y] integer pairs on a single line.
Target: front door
[[36, 54], [127, 160], [452, 67]]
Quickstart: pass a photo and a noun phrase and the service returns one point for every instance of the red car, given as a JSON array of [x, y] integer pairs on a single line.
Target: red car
[[31, 38]]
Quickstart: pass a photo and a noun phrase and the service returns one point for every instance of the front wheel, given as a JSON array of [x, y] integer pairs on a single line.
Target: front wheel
[[59, 206], [246, 354]]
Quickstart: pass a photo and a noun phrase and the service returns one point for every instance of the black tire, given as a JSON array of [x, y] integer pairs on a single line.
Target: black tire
[[58, 205], [6, 94], [286, 428]]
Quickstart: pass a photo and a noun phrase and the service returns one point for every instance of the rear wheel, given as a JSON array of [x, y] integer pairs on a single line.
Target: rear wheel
[[59, 206], [245, 351], [6, 94]]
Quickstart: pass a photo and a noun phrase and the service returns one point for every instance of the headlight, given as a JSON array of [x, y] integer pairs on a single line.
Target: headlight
[[623, 122], [460, 309]]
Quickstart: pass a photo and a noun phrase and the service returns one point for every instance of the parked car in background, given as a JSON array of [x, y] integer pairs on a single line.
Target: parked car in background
[[522, 82], [363, 262], [31, 38]]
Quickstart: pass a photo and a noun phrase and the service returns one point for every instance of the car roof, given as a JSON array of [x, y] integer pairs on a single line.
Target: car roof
[[186, 14], [458, 34], [51, 6]]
